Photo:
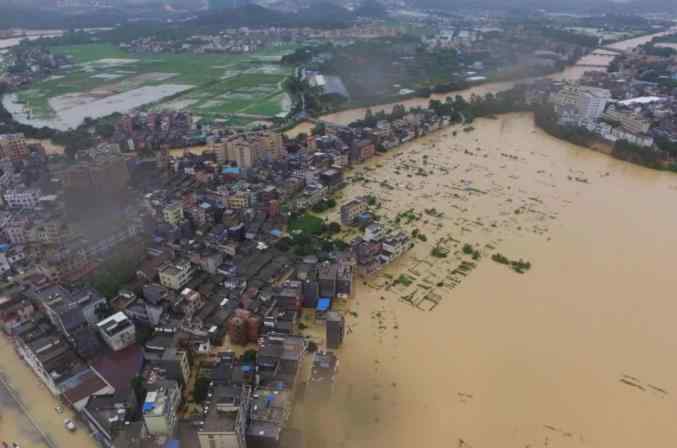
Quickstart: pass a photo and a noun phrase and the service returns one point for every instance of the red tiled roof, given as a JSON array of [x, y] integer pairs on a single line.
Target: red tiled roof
[[118, 368]]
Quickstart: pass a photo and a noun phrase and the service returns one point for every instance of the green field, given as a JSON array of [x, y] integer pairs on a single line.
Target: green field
[[221, 84]]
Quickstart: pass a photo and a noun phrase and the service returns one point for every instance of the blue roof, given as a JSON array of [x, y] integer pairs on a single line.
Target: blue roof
[[4, 247], [276, 232], [172, 444], [231, 170], [323, 304]]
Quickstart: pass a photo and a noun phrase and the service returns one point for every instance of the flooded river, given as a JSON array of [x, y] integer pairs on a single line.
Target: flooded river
[[576, 352], [598, 60]]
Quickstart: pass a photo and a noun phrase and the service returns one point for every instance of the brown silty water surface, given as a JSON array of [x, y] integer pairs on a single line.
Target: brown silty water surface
[[36, 424], [575, 352]]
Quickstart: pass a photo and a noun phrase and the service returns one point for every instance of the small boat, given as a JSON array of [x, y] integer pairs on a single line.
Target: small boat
[[68, 423]]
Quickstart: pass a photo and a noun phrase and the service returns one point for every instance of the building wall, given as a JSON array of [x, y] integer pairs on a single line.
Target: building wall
[[173, 214], [175, 280], [165, 423], [218, 440], [35, 364]]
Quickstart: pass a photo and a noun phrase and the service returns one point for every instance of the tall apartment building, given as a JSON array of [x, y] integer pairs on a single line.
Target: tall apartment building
[[589, 102], [176, 275], [336, 329], [22, 197], [226, 421], [13, 147], [173, 213], [241, 152]]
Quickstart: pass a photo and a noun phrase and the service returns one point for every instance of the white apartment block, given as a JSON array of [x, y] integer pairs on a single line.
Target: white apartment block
[[176, 275], [117, 331], [589, 102], [22, 198], [173, 213]]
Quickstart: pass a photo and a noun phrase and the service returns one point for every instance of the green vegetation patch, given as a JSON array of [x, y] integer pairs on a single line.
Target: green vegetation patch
[[306, 223], [223, 84], [90, 52], [520, 266]]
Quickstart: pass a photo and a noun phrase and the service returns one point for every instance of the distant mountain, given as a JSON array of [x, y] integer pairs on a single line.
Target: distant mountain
[[371, 8], [319, 14], [573, 6]]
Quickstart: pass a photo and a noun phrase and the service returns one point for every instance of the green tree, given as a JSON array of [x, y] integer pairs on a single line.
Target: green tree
[[249, 357], [333, 228], [138, 386]]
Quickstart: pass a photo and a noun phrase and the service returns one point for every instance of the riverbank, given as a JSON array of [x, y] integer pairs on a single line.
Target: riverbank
[[498, 338], [571, 73]]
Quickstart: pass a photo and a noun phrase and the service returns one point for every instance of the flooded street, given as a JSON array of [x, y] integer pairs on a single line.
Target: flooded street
[[575, 352], [15, 426]]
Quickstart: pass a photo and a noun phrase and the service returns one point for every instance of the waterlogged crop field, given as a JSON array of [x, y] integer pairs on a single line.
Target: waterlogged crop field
[[105, 79]]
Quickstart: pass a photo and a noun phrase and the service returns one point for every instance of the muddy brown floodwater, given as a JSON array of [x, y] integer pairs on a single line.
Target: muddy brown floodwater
[[576, 352], [46, 430]]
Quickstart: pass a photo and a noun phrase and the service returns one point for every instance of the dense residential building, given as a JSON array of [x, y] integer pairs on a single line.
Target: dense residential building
[[351, 210], [173, 213], [226, 420], [161, 352], [629, 120], [51, 358], [336, 330], [269, 412], [589, 102], [22, 197], [13, 147]]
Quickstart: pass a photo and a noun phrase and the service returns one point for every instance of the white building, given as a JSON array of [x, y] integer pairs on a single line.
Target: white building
[[173, 213], [22, 197], [589, 102], [176, 275], [117, 331]]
